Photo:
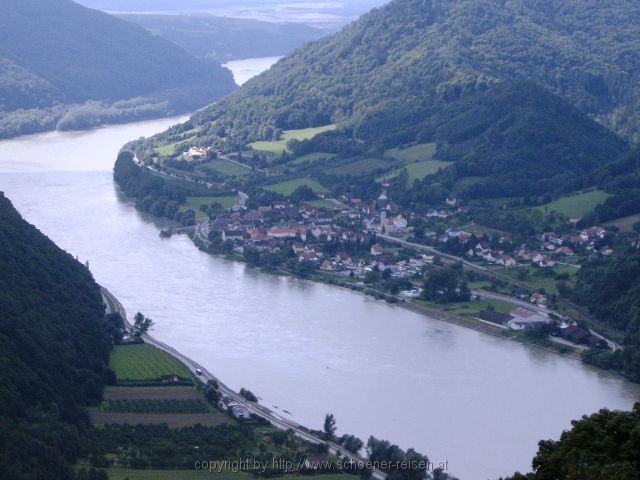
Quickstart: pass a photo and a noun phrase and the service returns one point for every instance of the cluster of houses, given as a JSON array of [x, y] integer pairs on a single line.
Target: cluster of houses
[[236, 409], [307, 230], [380, 223], [196, 153], [552, 248], [341, 238], [519, 319], [343, 263], [522, 318]]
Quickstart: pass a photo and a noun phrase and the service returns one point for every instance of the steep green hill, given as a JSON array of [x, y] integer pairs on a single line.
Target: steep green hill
[[226, 39], [54, 351], [522, 96], [56, 52], [408, 50]]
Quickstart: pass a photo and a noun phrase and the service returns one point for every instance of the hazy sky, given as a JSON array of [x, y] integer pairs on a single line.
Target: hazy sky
[[330, 13]]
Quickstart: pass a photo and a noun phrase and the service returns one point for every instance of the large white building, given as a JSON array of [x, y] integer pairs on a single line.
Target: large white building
[[523, 318]]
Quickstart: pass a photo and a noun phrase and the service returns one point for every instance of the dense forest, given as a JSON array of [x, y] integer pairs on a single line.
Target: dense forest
[[410, 50], [54, 351], [56, 52], [224, 39], [610, 288], [154, 194], [601, 446], [527, 99], [515, 138], [621, 179]]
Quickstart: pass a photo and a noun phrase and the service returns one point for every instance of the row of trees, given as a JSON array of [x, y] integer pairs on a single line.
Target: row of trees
[[446, 284]]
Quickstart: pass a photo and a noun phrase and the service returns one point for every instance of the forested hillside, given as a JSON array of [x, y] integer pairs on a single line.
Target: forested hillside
[[54, 350], [224, 39], [601, 446], [420, 50], [622, 180], [610, 288], [56, 52], [522, 98]]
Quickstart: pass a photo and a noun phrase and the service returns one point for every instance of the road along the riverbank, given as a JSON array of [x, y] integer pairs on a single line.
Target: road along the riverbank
[[114, 306]]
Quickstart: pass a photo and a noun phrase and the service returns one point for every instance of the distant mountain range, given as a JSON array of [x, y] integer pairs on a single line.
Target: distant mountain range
[[56, 53], [224, 39], [326, 15]]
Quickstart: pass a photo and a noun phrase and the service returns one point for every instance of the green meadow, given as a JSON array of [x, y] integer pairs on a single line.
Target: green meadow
[[288, 187], [576, 206], [144, 362], [415, 153], [196, 202], [279, 146], [419, 170]]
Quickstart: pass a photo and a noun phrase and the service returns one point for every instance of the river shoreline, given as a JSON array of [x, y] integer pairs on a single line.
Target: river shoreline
[[302, 346], [202, 375], [431, 313]]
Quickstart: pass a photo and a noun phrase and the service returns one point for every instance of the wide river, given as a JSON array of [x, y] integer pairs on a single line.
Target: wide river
[[480, 402]]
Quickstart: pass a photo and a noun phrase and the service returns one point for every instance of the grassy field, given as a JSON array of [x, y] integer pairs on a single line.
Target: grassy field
[[537, 282], [470, 308], [419, 170], [625, 224], [358, 167], [142, 362], [226, 168], [313, 157], [156, 406], [416, 153], [276, 146], [195, 202], [279, 146], [288, 187], [576, 206], [129, 474], [152, 393], [321, 203], [173, 420], [123, 474], [170, 149]]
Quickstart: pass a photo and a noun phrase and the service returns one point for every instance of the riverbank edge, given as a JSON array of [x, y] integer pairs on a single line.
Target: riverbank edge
[[113, 305], [400, 302], [179, 112]]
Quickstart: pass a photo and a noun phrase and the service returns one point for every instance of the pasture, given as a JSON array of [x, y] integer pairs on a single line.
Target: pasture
[[415, 153], [196, 202], [575, 206], [313, 157], [144, 362], [279, 146], [288, 186], [419, 170], [366, 165], [625, 224]]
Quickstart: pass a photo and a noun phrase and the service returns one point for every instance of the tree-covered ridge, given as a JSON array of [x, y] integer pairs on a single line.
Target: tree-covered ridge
[[421, 50], [519, 138], [82, 54], [56, 52], [601, 446], [481, 81], [54, 351]]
